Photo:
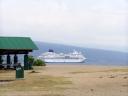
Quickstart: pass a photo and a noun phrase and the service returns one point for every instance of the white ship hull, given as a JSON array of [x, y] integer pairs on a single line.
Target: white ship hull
[[52, 57], [63, 60]]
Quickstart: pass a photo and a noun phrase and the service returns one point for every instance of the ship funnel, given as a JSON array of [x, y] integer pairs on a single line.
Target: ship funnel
[[50, 50]]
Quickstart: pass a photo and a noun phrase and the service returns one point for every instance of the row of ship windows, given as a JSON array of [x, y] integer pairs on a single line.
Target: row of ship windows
[[61, 58]]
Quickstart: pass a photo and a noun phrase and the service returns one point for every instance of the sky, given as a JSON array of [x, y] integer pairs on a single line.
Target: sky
[[85, 23]]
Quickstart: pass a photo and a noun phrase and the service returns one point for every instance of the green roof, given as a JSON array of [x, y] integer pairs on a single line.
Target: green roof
[[17, 43]]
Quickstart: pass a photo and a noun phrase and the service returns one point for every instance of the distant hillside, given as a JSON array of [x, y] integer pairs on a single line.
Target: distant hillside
[[94, 56]]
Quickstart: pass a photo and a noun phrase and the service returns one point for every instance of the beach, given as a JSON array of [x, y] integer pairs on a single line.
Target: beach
[[68, 80]]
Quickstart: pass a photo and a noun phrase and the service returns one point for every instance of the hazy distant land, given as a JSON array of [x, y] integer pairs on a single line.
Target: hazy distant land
[[94, 56]]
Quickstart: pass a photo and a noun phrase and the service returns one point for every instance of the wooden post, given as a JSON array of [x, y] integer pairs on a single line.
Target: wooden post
[[26, 66], [15, 59], [8, 61], [0, 59]]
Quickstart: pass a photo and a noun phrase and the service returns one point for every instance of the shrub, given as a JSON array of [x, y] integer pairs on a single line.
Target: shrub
[[36, 62], [31, 59], [39, 62]]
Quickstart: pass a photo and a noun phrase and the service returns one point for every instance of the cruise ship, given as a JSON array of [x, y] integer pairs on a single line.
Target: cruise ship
[[52, 57]]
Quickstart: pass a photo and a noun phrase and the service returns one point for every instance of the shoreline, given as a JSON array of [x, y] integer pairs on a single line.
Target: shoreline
[[84, 64]]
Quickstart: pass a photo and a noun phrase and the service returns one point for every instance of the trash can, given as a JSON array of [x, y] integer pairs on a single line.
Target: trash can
[[19, 72]]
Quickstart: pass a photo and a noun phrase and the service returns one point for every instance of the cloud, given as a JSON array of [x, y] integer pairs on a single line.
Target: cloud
[[82, 22]]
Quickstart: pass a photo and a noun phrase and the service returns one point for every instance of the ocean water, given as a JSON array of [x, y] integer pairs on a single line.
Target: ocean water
[[94, 56], [84, 63]]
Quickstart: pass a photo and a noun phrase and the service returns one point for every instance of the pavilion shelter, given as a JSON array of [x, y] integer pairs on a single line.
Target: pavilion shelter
[[14, 46]]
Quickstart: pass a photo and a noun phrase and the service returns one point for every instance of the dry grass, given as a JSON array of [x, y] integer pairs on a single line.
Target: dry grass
[[33, 82], [94, 71], [65, 81]]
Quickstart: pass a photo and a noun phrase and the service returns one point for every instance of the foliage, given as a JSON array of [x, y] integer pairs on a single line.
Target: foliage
[[39, 62], [31, 59], [36, 62]]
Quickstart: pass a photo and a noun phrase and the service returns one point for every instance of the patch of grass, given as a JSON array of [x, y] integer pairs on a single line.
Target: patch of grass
[[119, 70], [112, 76], [33, 83], [92, 71], [36, 83], [125, 85], [77, 72], [52, 95]]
